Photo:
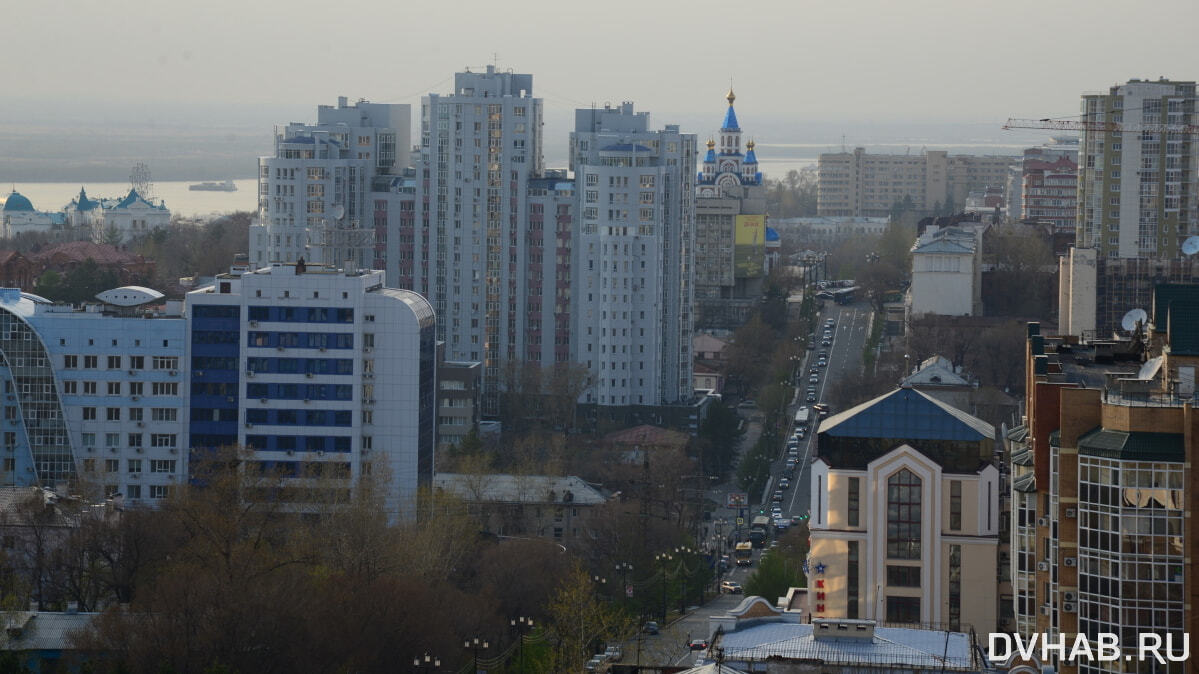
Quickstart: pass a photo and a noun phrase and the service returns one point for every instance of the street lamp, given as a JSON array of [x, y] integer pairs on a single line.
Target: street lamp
[[600, 584], [429, 663], [624, 569], [476, 644], [520, 624], [662, 559], [680, 551]]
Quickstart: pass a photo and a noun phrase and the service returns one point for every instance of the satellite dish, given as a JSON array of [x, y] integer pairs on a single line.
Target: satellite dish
[[1130, 320], [339, 212], [1191, 245]]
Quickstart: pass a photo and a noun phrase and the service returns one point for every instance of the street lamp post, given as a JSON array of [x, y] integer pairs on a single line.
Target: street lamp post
[[428, 664], [476, 644], [681, 551], [600, 584], [662, 559], [520, 624], [624, 569]]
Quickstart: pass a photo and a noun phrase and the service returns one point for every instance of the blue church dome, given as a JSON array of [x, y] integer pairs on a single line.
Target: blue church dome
[[17, 202]]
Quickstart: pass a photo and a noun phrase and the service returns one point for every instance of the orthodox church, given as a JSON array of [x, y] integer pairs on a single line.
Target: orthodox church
[[733, 243]]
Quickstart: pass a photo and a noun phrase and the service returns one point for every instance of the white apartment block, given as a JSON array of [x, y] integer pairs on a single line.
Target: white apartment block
[[860, 184], [633, 285], [1137, 193], [314, 193], [318, 372], [471, 250]]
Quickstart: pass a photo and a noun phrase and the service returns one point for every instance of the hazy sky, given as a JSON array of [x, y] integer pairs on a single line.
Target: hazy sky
[[826, 60]]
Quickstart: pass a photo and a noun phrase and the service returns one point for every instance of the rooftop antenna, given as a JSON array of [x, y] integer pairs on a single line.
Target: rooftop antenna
[[1134, 319], [139, 180], [843, 148]]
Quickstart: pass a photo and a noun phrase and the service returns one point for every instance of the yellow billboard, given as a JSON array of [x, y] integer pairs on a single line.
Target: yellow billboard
[[749, 249]]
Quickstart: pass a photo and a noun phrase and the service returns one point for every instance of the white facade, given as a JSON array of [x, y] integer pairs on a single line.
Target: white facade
[[313, 194], [633, 257], [130, 217], [337, 376], [94, 397], [480, 146], [1136, 190], [1078, 278], [946, 273]]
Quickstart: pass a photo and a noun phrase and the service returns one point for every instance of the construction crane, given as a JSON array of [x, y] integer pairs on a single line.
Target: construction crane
[[1074, 125]]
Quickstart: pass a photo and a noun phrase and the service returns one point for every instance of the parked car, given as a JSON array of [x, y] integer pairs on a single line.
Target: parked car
[[650, 627], [593, 664], [800, 434], [698, 644], [730, 587]]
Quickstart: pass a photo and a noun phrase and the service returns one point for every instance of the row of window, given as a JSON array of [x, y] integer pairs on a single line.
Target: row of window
[[112, 440], [301, 314], [302, 340], [134, 413], [115, 388], [133, 465], [71, 362]]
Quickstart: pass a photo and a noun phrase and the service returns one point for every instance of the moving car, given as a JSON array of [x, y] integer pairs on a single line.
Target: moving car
[[651, 627], [811, 398], [784, 483], [698, 644], [814, 378], [730, 587], [776, 512], [778, 496], [825, 342]]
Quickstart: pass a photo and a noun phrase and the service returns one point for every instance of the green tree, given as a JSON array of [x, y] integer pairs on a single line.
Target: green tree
[[781, 568]]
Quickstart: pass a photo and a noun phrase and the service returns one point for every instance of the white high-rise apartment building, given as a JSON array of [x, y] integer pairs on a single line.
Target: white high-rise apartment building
[[314, 193], [480, 146], [1136, 189], [634, 254]]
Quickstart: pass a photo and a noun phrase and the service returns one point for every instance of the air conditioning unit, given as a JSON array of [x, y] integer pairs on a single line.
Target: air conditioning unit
[[141, 424], [1046, 610], [89, 449], [249, 373], [1070, 607], [135, 397], [174, 450], [368, 350], [320, 453], [323, 349], [278, 348], [1071, 512], [175, 372], [306, 401], [134, 476], [132, 372], [1042, 521], [291, 452], [1042, 566], [1069, 596], [253, 324], [230, 399], [140, 450], [113, 450], [263, 401], [1070, 561], [309, 375], [249, 425]]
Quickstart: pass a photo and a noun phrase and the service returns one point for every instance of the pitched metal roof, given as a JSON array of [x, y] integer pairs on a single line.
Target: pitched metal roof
[[897, 647], [907, 414], [42, 630], [1133, 446], [504, 488]]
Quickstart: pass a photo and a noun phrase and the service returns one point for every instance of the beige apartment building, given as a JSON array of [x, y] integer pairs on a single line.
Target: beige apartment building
[[867, 185], [906, 515]]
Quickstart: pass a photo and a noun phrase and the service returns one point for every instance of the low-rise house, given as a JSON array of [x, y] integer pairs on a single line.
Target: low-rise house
[[526, 505]]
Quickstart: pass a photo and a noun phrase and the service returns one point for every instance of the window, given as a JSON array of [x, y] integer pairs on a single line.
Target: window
[[113, 413], [162, 440], [903, 576], [163, 414], [88, 439], [133, 491], [135, 465], [851, 581], [114, 362], [164, 388], [903, 609], [89, 362], [159, 491], [166, 363], [855, 487], [955, 587], [112, 465], [137, 362], [89, 388], [70, 387], [955, 505], [114, 388], [134, 440], [89, 414], [135, 414], [903, 517], [70, 362], [112, 439], [162, 466]]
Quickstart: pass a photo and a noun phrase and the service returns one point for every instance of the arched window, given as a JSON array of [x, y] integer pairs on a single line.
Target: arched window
[[903, 515]]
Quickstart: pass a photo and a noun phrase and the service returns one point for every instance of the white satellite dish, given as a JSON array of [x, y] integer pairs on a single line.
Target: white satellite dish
[[1191, 245], [339, 212], [1130, 320]]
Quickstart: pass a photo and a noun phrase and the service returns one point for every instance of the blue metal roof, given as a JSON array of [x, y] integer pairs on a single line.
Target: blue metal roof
[[17, 202], [908, 414], [771, 235], [711, 156], [132, 198], [83, 203], [751, 158], [730, 120]]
